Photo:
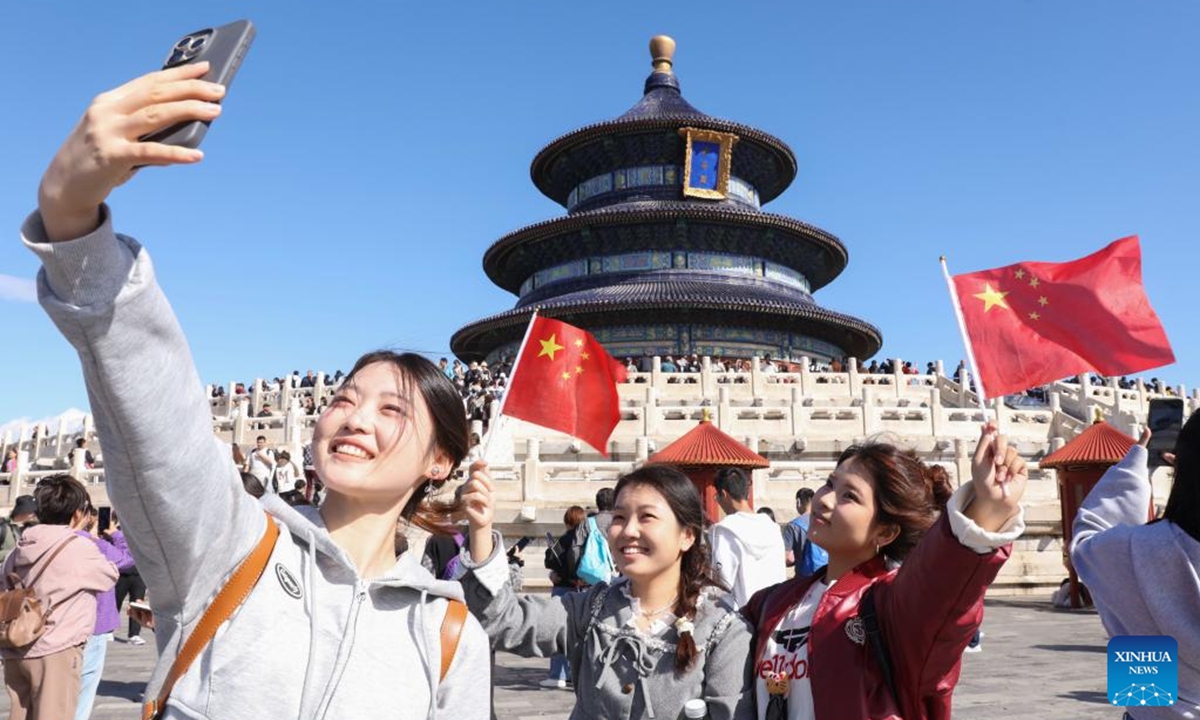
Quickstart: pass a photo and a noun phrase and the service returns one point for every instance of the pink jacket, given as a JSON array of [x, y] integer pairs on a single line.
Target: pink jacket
[[69, 585]]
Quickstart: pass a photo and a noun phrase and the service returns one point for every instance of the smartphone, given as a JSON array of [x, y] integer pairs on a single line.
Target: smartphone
[[140, 605], [1165, 421], [223, 47], [104, 520], [521, 544]]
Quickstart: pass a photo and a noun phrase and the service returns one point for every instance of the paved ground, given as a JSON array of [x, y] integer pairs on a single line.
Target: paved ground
[[1037, 663]]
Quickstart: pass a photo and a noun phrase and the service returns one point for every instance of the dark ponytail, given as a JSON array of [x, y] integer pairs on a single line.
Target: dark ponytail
[[695, 571], [908, 493]]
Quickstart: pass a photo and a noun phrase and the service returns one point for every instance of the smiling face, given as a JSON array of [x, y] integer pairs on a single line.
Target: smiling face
[[375, 440], [645, 537], [843, 514]]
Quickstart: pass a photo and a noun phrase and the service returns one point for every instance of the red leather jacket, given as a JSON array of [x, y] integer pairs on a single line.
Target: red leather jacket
[[928, 609]]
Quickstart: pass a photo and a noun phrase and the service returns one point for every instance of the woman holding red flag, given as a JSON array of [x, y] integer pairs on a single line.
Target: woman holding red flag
[[656, 641], [863, 639]]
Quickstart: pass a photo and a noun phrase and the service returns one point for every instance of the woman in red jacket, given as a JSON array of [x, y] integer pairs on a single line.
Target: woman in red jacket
[[866, 638]]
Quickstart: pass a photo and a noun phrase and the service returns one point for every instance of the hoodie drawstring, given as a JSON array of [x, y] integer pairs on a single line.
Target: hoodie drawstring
[[310, 586]]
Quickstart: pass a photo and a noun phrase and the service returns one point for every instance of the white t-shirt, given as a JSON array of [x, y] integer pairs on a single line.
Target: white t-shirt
[[786, 651], [259, 468], [286, 476]]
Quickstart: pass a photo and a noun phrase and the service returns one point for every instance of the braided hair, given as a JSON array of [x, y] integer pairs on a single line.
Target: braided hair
[[695, 572]]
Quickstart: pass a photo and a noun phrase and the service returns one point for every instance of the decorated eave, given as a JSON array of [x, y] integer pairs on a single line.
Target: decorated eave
[[706, 446], [621, 303], [1100, 445], [569, 159], [516, 256]]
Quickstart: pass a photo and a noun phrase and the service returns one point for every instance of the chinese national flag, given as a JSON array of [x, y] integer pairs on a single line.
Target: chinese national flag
[[1034, 322], [564, 380]]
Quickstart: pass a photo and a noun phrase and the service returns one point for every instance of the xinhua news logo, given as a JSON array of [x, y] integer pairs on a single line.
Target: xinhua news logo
[[1143, 670]]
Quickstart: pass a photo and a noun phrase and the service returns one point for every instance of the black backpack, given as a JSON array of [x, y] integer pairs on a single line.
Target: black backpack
[[558, 557]]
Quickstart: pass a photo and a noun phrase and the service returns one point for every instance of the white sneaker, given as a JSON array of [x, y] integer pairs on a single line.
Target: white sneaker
[[136, 640], [554, 684]]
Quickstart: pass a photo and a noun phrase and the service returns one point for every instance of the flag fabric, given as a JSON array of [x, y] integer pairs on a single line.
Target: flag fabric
[[566, 381], [1032, 323]]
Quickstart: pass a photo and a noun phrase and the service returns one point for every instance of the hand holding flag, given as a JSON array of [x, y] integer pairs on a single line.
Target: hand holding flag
[[998, 475]]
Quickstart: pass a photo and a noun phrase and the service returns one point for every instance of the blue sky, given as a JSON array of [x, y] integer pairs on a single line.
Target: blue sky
[[368, 154]]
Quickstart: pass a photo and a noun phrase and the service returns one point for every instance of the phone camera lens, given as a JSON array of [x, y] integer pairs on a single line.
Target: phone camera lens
[[198, 43]]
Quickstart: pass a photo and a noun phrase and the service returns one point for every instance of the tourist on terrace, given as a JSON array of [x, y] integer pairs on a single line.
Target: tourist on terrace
[[10, 461], [337, 627], [879, 507], [644, 645], [1142, 576]]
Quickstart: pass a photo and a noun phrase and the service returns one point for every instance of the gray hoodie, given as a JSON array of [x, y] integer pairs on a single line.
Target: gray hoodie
[[313, 639], [1142, 577]]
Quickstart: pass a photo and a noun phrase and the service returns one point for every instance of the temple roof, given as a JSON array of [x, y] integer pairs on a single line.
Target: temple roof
[[807, 248], [580, 154], [1099, 445], [707, 445], [632, 300]]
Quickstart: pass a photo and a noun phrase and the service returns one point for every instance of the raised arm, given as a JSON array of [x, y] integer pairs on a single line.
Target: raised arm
[[179, 497], [527, 625], [1121, 498], [932, 608]]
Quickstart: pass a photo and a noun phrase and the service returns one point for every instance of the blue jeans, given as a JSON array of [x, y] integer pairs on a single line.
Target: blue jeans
[[560, 667], [93, 667]]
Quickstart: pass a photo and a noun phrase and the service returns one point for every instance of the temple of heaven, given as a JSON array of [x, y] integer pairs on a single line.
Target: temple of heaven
[[665, 249]]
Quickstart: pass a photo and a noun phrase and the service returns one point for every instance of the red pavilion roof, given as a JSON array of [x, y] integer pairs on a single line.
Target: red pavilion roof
[[1100, 444], [706, 445]]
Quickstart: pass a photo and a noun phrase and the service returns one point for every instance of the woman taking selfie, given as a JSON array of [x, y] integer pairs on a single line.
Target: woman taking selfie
[[643, 645], [336, 627], [863, 639]]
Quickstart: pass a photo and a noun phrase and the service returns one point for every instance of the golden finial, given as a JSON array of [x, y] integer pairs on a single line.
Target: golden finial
[[706, 415], [662, 53]]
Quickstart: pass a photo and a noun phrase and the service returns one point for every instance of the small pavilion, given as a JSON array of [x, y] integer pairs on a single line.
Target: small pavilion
[[704, 450]]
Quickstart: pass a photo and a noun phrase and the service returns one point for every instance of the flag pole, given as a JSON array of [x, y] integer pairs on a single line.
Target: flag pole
[[962, 329], [500, 416]]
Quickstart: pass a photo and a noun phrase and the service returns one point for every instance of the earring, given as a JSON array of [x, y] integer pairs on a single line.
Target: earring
[[435, 471], [428, 487]]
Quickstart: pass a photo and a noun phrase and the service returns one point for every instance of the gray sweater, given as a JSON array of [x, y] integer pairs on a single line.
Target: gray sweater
[[618, 672], [1142, 577], [313, 639]]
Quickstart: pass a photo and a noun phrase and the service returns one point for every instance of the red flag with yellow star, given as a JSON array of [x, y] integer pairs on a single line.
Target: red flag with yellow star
[[1033, 323], [564, 380]]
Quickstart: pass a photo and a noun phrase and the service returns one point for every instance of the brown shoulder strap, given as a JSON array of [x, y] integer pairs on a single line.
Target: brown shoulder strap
[[452, 625], [49, 561], [227, 601]]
